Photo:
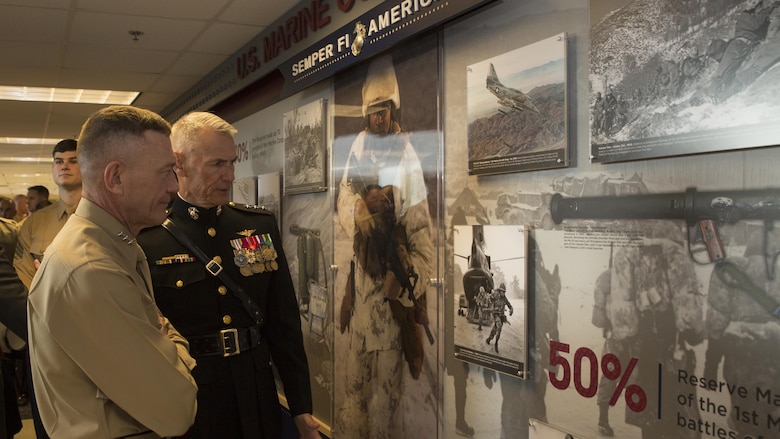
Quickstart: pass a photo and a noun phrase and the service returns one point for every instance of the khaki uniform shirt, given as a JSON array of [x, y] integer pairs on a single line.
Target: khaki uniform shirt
[[101, 366], [37, 232], [9, 231]]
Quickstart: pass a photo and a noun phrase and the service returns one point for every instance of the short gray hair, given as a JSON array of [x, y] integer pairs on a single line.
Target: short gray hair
[[185, 131]]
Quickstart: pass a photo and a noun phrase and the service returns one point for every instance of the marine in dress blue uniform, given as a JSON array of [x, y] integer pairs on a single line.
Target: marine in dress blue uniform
[[235, 388]]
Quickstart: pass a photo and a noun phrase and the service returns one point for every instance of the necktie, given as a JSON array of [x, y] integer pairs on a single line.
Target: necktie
[[143, 269]]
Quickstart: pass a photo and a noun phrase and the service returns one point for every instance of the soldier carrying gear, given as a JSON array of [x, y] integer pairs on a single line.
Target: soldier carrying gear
[[500, 302], [483, 305], [383, 208]]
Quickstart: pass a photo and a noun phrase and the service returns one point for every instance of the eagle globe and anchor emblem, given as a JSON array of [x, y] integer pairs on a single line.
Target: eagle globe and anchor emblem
[[360, 37]]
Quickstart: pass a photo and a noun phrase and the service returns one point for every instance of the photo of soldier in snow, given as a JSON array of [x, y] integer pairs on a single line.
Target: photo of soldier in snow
[[682, 77], [744, 335], [649, 306], [384, 140]]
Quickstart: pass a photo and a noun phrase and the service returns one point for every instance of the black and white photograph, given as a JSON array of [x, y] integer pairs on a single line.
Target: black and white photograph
[[543, 430], [269, 193], [305, 152], [490, 326], [517, 109], [671, 77], [245, 191]]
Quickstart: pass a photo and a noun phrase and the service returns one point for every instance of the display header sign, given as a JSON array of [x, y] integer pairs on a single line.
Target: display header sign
[[374, 31], [316, 40]]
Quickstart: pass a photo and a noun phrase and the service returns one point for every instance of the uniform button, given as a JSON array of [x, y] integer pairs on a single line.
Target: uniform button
[[222, 290], [212, 232], [227, 319], [179, 284], [218, 260]]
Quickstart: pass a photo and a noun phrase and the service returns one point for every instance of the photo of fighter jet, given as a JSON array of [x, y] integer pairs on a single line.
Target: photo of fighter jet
[[519, 122], [507, 96]]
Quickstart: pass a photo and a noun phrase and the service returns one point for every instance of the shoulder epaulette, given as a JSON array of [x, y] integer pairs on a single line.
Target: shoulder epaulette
[[253, 208]]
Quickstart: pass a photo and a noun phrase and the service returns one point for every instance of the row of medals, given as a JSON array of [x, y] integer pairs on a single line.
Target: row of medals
[[254, 254]]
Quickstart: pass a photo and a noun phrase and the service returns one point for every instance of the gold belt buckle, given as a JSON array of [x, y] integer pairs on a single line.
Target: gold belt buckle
[[229, 340]]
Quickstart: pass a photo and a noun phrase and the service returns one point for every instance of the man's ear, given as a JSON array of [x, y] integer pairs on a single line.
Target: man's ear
[[113, 175], [178, 167]]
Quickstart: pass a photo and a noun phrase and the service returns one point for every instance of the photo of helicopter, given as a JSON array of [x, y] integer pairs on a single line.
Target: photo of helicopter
[[507, 96], [490, 261], [477, 275]]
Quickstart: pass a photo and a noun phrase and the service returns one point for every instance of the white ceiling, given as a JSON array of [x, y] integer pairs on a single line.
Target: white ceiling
[[86, 44]]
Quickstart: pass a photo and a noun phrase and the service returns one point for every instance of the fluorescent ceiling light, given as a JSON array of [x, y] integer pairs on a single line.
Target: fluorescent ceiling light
[[32, 160], [70, 95], [27, 141]]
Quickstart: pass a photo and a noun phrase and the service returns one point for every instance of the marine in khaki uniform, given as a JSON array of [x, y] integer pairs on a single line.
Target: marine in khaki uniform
[[105, 362], [38, 231], [9, 233]]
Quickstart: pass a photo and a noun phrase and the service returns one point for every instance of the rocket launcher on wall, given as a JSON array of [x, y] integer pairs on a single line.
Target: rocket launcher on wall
[[703, 213]]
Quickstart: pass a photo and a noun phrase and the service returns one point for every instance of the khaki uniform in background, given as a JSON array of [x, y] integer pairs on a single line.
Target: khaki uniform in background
[[95, 334], [36, 233], [9, 233]]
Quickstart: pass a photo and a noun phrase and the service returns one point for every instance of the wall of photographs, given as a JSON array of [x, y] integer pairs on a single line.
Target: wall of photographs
[[613, 195]]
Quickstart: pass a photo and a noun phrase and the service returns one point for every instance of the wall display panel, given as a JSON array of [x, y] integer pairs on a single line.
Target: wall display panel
[[517, 118], [305, 149], [269, 194], [385, 150], [306, 227], [543, 430], [490, 326], [670, 78], [633, 332], [245, 190]]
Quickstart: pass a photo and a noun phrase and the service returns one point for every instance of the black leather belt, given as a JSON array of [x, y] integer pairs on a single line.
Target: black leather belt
[[225, 343]]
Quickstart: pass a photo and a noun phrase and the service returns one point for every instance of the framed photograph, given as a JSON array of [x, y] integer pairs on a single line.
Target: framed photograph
[[517, 118], [543, 430], [491, 297], [245, 191], [305, 150], [269, 194], [386, 135], [679, 78]]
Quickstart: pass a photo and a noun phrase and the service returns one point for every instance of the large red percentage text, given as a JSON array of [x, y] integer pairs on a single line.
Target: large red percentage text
[[636, 399]]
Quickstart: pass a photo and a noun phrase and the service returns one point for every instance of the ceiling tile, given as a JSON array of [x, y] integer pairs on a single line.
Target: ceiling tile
[[184, 9], [224, 39], [85, 44], [177, 84], [49, 26], [37, 55], [110, 30], [118, 59], [198, 64], [30, 76], [103, 80], [255, 12]]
